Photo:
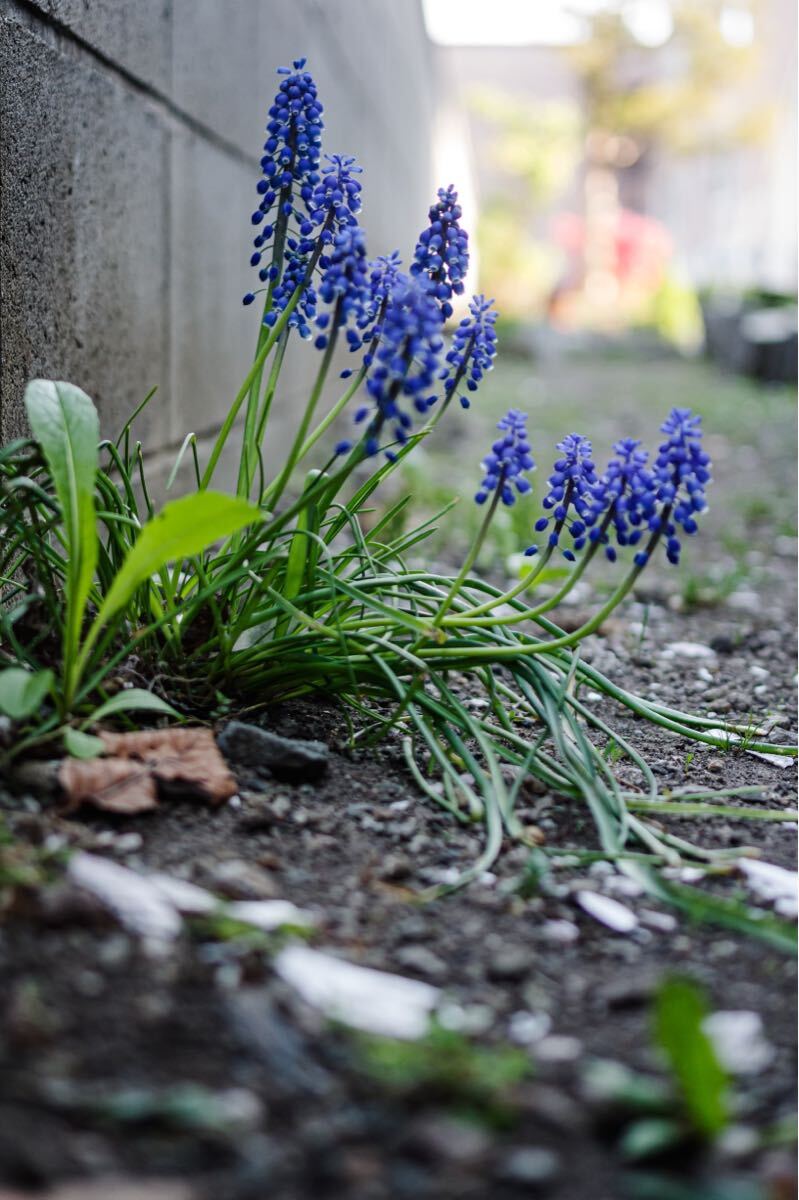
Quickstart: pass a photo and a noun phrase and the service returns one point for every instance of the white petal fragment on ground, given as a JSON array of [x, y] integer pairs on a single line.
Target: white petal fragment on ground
[[607, 911], [772, 883], [779, 760], [373, 1001], [269, 914], [739, 1041], [137, 903]]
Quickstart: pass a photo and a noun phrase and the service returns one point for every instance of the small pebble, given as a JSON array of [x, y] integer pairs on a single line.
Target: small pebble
[[531, 1165]]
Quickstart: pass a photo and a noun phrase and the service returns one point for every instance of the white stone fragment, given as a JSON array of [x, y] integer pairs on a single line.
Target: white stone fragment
[[662, 922], [188, 898], [772, 883], [525, 1028], [739, 1041], [607, 911], [374, 1001], [558, 1048], [560, 931], [622, 885], [137, 903], [269, 914], [688, 650]]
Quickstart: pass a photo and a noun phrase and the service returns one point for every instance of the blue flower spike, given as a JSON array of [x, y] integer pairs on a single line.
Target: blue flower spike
[[474, 347], [290, 163], [508, 461], [406, 362], [345, 285], [570, 499], [442, 252], [625, 497], [682, 472]]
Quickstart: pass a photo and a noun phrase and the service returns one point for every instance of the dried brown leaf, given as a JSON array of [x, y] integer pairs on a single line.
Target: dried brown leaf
[[137, 767], [113, 784]]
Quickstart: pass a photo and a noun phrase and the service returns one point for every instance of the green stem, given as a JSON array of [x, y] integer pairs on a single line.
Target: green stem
[[244, 390], [273, 493], [471, 557], [271, 386]]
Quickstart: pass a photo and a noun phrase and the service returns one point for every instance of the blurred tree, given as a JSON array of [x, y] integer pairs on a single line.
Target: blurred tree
[[689, 93]]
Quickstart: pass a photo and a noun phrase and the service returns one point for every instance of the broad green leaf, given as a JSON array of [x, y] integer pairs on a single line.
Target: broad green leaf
[[132, 700], [64, 422], [680, 1008], [182, 528], [82, 745], [22, 692]]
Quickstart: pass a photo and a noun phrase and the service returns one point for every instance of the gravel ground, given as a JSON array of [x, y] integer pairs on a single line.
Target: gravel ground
[[99, 1029]]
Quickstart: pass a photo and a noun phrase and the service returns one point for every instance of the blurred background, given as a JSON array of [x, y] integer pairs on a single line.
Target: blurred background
[[630, 166]]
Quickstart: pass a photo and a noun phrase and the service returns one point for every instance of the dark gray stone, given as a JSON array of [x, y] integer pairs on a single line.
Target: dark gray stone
[[260, 750]]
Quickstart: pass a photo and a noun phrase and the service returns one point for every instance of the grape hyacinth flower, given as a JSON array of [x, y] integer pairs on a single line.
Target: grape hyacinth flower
[[507, 461], [406, 362], [681, 474], [345, 285], [626, 496], [295, 274], [337, 196], [290, 163], [571, 487], [442, 252], [384, 272], [474, 347]]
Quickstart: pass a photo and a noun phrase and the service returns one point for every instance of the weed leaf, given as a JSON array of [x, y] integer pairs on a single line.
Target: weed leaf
[[182, 528], [680, 1008], [21, 692], [64, 422]]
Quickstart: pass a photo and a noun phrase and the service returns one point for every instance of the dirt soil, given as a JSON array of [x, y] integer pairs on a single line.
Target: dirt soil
[[97, 1033]]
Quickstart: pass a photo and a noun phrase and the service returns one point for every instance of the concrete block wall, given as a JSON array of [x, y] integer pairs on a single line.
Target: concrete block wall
[[129, 143]]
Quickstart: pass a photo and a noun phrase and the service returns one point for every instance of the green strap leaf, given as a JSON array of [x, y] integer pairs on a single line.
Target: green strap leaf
[[181, 529]]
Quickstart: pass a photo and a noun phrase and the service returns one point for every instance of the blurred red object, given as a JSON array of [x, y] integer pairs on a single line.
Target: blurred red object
[[641, 245]]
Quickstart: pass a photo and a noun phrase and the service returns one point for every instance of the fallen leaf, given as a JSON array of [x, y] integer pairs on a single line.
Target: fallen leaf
[[139, 768], [114, 784]]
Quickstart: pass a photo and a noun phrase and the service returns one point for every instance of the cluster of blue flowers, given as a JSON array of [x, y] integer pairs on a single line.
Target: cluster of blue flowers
[[442, 252], [474, 346], [629, 500], [400, 319], [509, 459]]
